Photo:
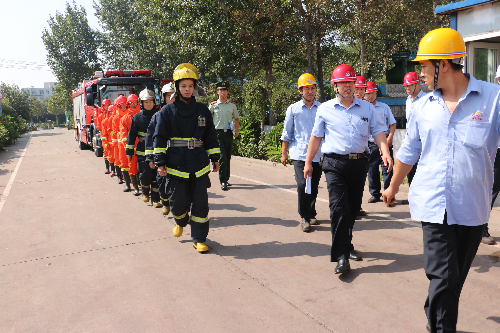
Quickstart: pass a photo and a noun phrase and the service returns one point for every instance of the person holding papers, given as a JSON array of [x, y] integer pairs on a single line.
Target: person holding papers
[[297, 130]]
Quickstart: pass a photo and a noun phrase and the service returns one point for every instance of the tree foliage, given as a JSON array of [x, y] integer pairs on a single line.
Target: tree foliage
[[59, 102], [17, 102], [72, 46]]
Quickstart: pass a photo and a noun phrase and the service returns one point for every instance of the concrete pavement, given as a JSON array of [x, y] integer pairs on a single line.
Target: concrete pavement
[[79, 255]]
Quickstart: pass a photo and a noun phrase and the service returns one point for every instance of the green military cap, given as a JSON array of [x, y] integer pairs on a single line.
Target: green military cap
[[222, 85]]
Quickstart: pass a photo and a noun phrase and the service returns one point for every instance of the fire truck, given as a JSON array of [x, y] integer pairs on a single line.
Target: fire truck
[[106, 85]]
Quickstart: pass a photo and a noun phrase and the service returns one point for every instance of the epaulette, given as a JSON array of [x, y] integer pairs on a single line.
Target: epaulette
[[213, 102], [233, 102]]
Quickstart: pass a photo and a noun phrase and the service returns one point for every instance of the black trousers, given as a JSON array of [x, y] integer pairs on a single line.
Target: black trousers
[[375, 160], [162, 189], [307, 202], [226, 146], [190, 195], [496, 182], [147, 177], [411, 174], [448, 254], [345, 180]]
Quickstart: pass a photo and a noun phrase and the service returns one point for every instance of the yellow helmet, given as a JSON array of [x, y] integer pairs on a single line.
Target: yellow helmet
[[442, 43], [306, 79], [185, 71]]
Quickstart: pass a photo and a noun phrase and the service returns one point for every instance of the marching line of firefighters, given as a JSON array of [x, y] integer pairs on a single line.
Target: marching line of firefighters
[[452, 133]]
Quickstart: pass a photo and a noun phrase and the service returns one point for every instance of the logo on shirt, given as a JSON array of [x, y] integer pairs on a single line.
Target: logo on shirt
[[364, 118], [477, 116]]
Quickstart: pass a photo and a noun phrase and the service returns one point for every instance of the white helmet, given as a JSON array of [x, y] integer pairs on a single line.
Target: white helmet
[[498, 73], [167, 88], [146, 94]]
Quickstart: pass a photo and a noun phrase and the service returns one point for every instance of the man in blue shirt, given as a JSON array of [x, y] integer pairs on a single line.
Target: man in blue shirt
[[385, 113], [411, 83], [297, 130], [455, 132], [342, 127]]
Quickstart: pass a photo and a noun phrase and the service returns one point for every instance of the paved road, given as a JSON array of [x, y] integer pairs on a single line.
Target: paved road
[[79, 255]]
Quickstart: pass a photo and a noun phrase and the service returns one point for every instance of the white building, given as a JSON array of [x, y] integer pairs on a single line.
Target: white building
[[42, 93], [478, 21]]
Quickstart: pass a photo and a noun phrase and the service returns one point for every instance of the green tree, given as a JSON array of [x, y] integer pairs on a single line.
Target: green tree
[[72, 46], [59, 102], [38, 108], [18, 100]]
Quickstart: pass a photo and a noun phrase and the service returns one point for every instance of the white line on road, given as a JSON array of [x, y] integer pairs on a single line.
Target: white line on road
[[385, 216], [5, 193]]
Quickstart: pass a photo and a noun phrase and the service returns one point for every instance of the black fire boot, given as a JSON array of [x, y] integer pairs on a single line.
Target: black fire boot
[[126, 177], [107, 166], [135, 182], [119, 175], [112, 167]]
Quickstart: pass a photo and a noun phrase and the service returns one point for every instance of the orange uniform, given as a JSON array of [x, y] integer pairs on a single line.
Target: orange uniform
[[124, 129], [117, 147]]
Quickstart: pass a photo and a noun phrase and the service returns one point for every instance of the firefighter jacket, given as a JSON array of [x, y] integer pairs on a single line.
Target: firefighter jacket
[[185, 122], [104, 134], [138, 129], [125, 123], [150, 157]]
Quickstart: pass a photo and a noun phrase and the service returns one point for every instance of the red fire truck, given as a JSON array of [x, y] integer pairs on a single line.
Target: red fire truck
[[90, 94]]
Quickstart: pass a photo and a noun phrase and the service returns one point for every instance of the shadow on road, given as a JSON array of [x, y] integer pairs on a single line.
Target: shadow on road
[[235, 186], [222, 222], [236, 207]]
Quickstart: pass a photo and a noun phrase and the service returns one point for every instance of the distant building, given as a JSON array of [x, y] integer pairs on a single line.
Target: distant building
[[478, 21], [42, 93]]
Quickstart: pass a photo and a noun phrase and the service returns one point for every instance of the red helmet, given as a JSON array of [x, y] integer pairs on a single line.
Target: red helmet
[[360, 81], [132, 98], [120, 100], [343, 73], [411, 78], [106, 101], [371, 87]]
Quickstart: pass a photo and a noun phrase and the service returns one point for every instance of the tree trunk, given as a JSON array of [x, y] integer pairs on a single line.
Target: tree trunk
[[309, 45], [269, 80], [362, 55], [319, 61]]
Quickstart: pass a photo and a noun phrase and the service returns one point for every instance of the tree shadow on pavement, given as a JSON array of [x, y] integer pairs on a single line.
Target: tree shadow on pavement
[[222, 222], [236, 186], [37, 134], [236, 207], [214, 196], [270, 250], [380, 224]]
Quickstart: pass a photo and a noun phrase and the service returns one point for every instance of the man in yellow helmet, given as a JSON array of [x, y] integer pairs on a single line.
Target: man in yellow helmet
[[297, 128], [455, 131], [189, 128]]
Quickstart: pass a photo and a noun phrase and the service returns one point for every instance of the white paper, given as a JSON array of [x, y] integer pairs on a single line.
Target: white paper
[[308, 185]]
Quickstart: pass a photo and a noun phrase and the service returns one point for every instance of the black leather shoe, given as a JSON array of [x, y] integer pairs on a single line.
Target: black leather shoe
[[373, 199], [343, 266], [405, 202], [354, 255], [362, 212], [223, 186]]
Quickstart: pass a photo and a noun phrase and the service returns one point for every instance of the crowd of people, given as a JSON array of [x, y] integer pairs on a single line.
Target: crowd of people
[[452, 135]]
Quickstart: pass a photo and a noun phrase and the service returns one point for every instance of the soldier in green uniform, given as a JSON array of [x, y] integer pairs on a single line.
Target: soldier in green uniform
[[224, 111]]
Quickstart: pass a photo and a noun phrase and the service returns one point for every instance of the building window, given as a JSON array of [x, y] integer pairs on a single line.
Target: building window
[[48, 92], [33, 92], [41, 92]]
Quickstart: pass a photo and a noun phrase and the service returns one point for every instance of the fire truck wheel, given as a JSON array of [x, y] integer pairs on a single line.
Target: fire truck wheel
[[81, 145]]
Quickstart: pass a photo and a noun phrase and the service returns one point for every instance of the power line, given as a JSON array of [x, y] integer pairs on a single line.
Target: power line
[[26, 65]]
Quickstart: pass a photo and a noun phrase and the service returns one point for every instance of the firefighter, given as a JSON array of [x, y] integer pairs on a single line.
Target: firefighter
[[129, 165], [168, 91], [137, 136], [121, 109], [104, 139], [189, 127], [109, 132]]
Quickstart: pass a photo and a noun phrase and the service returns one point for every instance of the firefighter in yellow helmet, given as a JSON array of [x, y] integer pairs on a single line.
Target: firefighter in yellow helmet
[[189, 127], [453, 133]]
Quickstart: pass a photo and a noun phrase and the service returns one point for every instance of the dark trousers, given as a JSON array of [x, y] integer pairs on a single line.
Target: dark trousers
[[307, 202], [190, 195], [448, 254], [147, 176], [226, 146], [411, 174], [375, 160], [345, 180], [162, 188]]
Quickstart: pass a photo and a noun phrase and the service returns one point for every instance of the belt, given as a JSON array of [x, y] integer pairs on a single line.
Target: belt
[[224, 130], [347, 156], [190, 143]]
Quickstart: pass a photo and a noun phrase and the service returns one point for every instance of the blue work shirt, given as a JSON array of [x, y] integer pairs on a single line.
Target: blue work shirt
[[384, 112], [410, 103], [299, 122], [346, 131], [455, 170]]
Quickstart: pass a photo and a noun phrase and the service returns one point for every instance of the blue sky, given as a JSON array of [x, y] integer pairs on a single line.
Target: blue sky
[[22, 23]]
